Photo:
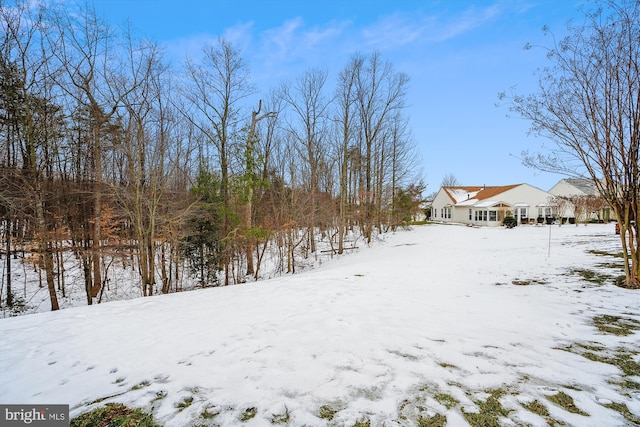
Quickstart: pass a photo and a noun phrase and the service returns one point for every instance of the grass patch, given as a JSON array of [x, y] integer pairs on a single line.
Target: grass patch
[[604, 253], [326, 412], [281, 418], [630, 385], [490, 411], [447, 365], [592, 276], [143, 384], [616, 325], [114, 415], [565, 401], [518, 282], [620, 357], [248, 414], [362, 423], [210, 412], [185, 403], [102, 399], [438, 420], [447, 400], [537, 408], [611, 265], [623, 359], [160, 395], [622, 409]]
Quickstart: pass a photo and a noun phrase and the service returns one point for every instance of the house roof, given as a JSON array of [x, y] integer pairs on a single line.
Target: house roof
[[585, 185], [468, 196], [491, 204]]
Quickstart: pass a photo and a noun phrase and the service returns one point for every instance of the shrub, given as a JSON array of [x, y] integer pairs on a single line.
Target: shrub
[[509, 222]]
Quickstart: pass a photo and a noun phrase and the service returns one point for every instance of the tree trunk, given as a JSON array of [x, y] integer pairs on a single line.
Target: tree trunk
[[97, 214], [45, 249], [166, 278], [630, 252], [8, 254]]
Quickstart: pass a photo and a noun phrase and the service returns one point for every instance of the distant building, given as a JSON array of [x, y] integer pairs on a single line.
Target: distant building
[[489, 205], [574, 186], [580, 199]]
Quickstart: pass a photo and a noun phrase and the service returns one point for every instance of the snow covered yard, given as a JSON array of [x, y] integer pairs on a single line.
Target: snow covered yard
[[475, 325]]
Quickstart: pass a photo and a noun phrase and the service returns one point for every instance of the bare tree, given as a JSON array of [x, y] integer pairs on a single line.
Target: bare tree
[[449, 180], [308, 126], [346, 116], [213, 94], [86, 58], [585, 206], [27, 106], [404, 167], [566, 207], [145, 147], [588, 104], [380, 94]]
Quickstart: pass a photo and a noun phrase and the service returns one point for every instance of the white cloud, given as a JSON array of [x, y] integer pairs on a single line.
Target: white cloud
[[471, 19], [286, 51], [318, 35], [191, 47], [401, 29], [395, 30], [279, 42], [240, 35]]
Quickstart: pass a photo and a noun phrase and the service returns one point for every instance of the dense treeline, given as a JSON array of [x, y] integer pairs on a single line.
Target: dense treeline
[[109, 153]]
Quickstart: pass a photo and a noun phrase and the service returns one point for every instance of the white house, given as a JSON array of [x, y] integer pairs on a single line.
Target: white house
[[572, 188], [489, 205]]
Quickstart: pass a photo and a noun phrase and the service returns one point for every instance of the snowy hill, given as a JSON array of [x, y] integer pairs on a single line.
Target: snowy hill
[[437, 320]]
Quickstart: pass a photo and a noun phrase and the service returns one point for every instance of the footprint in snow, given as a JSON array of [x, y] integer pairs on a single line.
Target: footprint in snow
[[161, 378]]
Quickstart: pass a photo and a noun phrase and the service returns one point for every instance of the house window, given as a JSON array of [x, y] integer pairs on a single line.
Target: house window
[[447, 213], [545, 212], [470, 214], [493, 215], [481, 215], [523, 213]]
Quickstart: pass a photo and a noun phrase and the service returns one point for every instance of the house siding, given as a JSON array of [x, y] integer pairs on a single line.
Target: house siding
[[563, 188]]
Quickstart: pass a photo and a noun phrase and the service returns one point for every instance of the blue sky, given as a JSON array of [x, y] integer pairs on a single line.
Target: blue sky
[[458, 55]]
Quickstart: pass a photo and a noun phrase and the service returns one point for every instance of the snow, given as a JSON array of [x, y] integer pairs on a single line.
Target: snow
[[488, 203], [426, 311], [461, 194]]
